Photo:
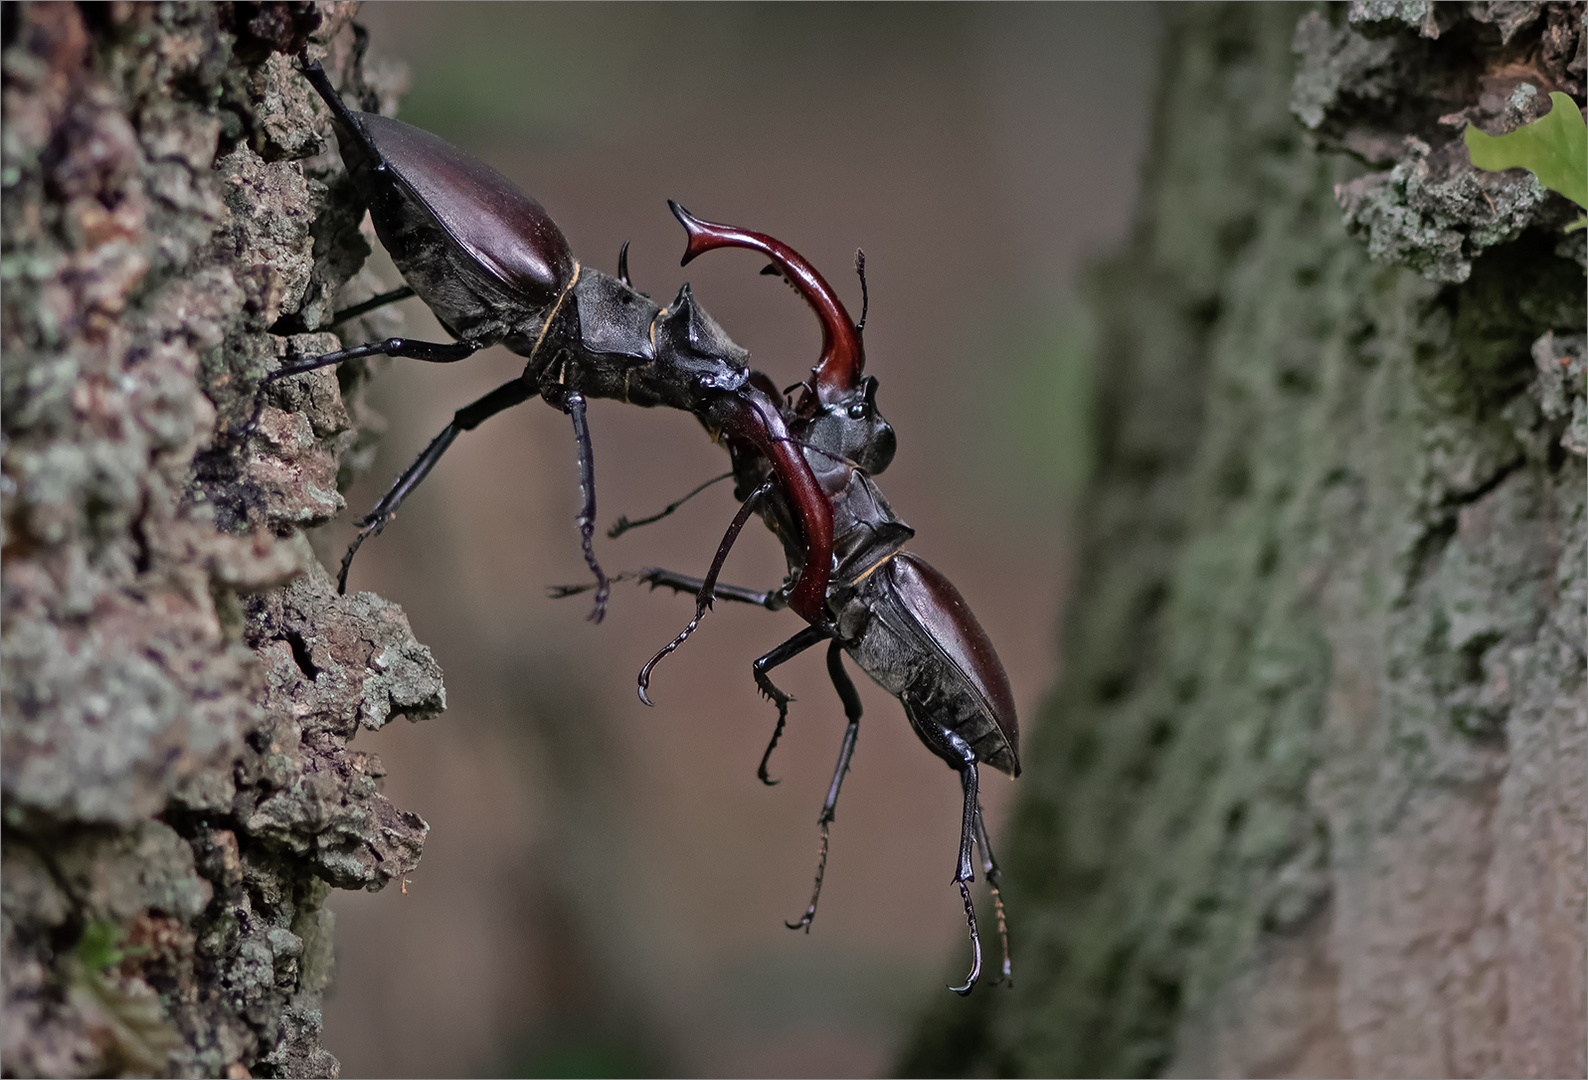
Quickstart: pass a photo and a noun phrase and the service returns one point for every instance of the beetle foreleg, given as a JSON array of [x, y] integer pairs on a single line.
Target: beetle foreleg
[[657, 578], [989, 867], [708, 584], [846, 692], [965, 872], [574, 406], [467, 418], [780, 655]]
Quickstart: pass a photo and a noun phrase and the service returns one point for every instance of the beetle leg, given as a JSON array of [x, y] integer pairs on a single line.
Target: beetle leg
[[467, 418], [965, 871], [573, 405], [656, 578], [780, 655], [431, 352], [708, 584], [989, 867], [623, 524], [846, 692], [402, 292]]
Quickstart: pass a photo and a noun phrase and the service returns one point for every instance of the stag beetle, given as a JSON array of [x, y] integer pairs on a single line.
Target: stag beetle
[[900, 620], [494, 267]]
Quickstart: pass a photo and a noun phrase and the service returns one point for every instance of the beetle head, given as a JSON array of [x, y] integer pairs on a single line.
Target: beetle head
[[851, 428], [837, 374], [696, 346]]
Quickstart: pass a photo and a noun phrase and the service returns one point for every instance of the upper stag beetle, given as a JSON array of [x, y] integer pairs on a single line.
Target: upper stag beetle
[[898, 618], [494, 267]]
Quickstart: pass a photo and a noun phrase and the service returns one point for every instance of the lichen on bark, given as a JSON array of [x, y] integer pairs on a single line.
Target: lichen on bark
[[181, 679], [1310, 800]]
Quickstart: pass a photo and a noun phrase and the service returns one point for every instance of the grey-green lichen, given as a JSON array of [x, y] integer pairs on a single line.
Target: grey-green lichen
[[1396, 84], [180, 678]]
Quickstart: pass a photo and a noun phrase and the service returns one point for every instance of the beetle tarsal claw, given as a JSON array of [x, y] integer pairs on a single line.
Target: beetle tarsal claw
[[975, 944], [777, 733], [805, 920], [645, 672]]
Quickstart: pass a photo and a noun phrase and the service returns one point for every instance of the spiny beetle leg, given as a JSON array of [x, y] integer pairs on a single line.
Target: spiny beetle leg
[[780, 655], [467, 418], [975, 944], [708, 585], [658, 578], [562, 592], [574, 405], [989, 867], [964, 872], [846, 692]]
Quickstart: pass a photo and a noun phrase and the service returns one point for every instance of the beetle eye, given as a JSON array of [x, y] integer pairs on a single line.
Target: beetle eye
[[857, 411]]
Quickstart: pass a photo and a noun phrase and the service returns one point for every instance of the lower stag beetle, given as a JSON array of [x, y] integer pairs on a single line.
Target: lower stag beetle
[[494, 267], [900, 620]]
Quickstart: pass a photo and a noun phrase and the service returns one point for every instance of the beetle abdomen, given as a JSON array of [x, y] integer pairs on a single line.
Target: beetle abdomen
[[509, 233], [924, 646]]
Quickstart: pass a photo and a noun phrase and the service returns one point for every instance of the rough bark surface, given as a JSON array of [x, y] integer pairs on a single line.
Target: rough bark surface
[[1311, 799], [181, 680]]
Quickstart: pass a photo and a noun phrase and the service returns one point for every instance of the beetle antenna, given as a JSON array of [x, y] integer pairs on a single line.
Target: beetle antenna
[[865, 298], [708, 586], [623, 524], [623, 265]]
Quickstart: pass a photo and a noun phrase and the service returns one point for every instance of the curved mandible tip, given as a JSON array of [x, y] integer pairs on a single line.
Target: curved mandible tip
[[843, 357]]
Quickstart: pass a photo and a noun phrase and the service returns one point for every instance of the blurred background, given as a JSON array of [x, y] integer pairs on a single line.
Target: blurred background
[[604, 885]]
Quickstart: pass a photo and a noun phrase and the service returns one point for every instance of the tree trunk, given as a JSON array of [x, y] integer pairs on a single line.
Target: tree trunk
[[1310, 798], [181, 679]]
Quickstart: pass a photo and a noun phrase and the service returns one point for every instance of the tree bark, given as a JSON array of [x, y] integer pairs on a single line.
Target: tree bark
[[181, 680], [1310, 799]]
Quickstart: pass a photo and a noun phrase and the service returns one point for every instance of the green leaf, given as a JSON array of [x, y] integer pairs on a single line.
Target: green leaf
[[1554, 148], [100, 946]]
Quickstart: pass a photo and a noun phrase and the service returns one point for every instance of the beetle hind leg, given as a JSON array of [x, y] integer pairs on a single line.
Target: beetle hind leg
[[846, 692], [467, 418], [964, 872], [990, 869]]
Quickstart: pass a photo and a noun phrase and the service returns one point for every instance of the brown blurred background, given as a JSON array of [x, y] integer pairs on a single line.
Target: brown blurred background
[[604, 885]]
